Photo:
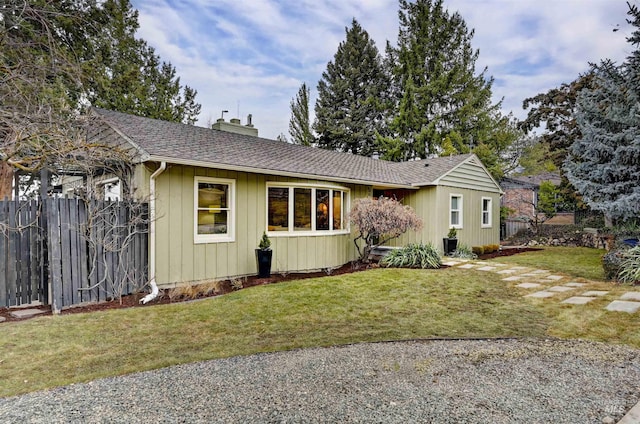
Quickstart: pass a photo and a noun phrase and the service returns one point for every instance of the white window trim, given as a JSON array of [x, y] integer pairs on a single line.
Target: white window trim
[[314, 233], [460, 211], [231, 216], [489, 212]]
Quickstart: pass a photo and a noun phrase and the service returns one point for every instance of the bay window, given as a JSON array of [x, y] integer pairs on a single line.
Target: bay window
[[305, 209]]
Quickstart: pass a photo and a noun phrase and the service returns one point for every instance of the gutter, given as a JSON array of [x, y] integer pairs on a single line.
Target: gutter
[[152, 234]]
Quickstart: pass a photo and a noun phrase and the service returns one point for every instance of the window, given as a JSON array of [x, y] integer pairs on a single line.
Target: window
[[311, 210], [214, 210], [455, 211], [486, 212]]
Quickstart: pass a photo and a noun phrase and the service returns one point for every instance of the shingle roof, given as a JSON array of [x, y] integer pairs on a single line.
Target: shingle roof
[[162, 140]]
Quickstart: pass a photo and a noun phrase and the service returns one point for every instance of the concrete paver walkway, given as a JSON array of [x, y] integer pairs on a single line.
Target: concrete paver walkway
[[542, 279]]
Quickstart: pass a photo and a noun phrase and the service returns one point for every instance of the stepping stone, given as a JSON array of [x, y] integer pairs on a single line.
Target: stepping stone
[[467, 266], [25, 313], [595, 293], [574, 284], [507, 271], [541, 294], [631, 296], [451, 263], [554, 277], [486, 268], [560, 289], [528, 285], [578, 300], [623, 306], [512, 278], [540, 271], [519, 268], [530, 274]]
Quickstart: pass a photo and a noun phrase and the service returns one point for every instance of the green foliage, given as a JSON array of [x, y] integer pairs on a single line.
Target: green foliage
[[555, 111], [603, 163], [350, 96], [413, 256], [630, 266], [265, 242], [463, 252], [299, 125], [535, 158], [453, 233], [611, 264], [548, 198]]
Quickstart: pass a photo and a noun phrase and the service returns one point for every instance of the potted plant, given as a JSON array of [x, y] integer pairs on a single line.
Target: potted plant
[[263, 256], [451, 241]]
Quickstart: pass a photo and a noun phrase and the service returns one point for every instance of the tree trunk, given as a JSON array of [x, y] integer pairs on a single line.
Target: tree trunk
[[6, 180]]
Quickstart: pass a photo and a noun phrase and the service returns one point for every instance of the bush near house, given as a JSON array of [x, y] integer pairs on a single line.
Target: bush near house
[[413, 256]]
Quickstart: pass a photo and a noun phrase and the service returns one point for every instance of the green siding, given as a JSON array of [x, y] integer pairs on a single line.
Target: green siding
[[471, 176], [180, 260]]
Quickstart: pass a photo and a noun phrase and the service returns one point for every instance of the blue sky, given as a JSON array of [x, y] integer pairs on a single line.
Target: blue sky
[[251, 56]]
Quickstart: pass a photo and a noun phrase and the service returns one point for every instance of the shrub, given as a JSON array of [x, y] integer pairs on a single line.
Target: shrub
[[611, 263], [630, 266], [413, 256], [381, 220], [463, 252], [478, 250]]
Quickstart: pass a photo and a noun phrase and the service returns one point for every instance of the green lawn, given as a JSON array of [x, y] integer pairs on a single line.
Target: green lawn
[[380, 304], [577, 261]]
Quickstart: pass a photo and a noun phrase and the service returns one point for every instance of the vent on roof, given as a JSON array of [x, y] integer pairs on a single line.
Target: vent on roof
[[235, 126]]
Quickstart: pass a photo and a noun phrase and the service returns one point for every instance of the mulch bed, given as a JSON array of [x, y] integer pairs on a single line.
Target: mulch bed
[[132, 300]]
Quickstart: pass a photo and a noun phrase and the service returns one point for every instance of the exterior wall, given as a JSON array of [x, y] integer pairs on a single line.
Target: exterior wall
[[180, 260], [521, 200], [432, 204]]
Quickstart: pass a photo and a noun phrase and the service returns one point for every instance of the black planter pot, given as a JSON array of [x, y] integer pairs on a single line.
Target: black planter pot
[[264, 262], [449, 245]]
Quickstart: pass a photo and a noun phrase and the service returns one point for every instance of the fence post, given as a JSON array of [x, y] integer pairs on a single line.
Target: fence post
[[44, 285]]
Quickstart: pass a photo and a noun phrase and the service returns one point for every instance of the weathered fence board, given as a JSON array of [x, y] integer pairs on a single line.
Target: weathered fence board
[[88, 252], [19, 253]]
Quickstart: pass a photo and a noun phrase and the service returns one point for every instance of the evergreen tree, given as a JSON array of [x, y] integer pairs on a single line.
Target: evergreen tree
[[556, 110], [300, 125], [603, 164], [57, 56], [349, 108], [438, 95], [126, 75]]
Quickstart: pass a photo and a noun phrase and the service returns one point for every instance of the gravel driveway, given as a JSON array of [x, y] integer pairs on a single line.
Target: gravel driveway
[[468, 381]]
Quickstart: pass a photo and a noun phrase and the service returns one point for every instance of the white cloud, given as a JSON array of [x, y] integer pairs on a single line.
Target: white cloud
[[256, 53]]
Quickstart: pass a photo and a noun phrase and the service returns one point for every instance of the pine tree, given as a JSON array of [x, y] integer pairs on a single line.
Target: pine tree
[[126, 75], [349, 108], [439, 99], [300, 125], [604, 163]]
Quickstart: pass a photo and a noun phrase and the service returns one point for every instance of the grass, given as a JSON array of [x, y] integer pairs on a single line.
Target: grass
[[375, 305], [581, 262]]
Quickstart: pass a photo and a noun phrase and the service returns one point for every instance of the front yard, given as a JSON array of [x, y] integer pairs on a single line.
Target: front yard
[[375, 305]]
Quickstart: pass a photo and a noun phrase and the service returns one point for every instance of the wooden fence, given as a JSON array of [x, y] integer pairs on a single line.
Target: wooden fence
[[66, 252]]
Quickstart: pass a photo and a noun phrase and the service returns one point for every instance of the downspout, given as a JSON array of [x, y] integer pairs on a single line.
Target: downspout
[[152, 233]]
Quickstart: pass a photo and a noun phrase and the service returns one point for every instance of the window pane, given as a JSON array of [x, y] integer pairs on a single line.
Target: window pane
[[454, 203], [302, 209], [212, 196], [278, 209], [455, 218], [212, 222], [322, 209], [337, 210]]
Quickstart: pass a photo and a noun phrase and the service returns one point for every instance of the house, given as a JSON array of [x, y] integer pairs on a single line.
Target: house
[[214, 192], [521, 197]]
